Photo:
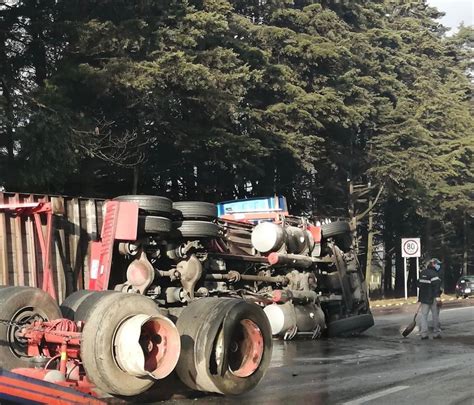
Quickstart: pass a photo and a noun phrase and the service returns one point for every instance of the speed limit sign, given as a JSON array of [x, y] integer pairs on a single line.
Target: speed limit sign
[[411, 247]]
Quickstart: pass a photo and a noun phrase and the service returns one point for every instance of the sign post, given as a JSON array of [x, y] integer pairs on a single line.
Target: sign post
[[411, 247]]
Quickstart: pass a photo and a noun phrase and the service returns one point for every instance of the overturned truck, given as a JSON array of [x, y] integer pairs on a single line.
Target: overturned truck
[[190, 287]]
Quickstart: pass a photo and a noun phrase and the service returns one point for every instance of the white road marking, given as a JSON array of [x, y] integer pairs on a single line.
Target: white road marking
[[456, 309], [376, 395]]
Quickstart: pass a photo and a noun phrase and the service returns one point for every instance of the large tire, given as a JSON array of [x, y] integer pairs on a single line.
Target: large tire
[[340, 231], [97, 352], [22, 305], [202, 325], [333, 229], [151, 225], [85, 306], [150, 204], [73, 301], [195, 229], [350, 326], [195, 210]]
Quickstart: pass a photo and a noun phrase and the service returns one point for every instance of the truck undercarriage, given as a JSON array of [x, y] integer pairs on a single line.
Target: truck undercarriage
[[177, 287]]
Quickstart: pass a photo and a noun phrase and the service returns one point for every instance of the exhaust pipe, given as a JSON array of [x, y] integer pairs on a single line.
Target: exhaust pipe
[[281, 259]]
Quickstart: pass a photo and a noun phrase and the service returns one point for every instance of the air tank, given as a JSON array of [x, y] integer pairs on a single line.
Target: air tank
[[296, 240], [269, 237], [283, 317]]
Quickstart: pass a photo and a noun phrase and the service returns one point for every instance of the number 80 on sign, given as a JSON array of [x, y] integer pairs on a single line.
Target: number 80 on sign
[[411, 247]]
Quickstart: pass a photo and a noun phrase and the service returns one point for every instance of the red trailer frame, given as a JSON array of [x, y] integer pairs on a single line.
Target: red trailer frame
[[35, 209]]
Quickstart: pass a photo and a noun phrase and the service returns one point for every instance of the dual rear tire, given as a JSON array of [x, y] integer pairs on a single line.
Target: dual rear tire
[[103, 314], [230, 331], [192, 219], [226, 345], [102, 320]]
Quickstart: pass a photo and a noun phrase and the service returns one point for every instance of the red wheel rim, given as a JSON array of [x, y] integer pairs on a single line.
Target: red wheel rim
[[246, 349], [160, 344], [147, 345]]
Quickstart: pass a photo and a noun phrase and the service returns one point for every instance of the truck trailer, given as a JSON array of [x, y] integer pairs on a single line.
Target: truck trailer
[[109, 296]]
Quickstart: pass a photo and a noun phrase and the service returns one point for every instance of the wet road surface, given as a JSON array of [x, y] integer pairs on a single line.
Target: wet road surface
[[378, 367]]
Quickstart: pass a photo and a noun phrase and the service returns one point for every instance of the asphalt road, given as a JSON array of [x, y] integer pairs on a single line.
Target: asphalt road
[[378, 367]]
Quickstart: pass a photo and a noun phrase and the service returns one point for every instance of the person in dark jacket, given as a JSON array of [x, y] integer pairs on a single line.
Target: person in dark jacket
[[429, 284], [436, 264]]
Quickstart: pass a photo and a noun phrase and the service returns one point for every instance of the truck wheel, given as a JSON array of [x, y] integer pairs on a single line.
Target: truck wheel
[[340, 231], [195, 210], [350, 326], [151, 225], [150, 204], [123, 359], [226, 345], [86, 305], [73, 301], [22, 305], [335, 229], [196, 229]]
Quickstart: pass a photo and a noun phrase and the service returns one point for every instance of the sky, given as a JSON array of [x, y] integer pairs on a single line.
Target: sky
[[456, 11]]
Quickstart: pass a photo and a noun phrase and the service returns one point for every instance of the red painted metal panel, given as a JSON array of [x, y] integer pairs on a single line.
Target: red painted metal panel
[[315, 232], [95, 265], [127, 221], [120, 223]]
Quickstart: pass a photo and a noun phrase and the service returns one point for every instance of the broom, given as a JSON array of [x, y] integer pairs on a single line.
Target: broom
[[411, 326]]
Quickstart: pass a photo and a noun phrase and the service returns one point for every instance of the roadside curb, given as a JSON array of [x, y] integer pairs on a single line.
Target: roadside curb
[[410, 304]]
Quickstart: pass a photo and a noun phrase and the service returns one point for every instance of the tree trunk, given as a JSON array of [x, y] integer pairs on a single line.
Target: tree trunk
[[370, 238], [411, 276], [465, 247], [399, 279], [428, 244], [9, 142], [136, 172], [9, 121], [6, 79], [389, 249], [387, 276], [38, 50]]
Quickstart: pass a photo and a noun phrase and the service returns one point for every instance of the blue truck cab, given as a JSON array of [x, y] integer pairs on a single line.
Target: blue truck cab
[[253, 209]]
